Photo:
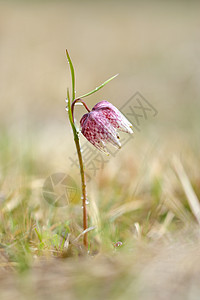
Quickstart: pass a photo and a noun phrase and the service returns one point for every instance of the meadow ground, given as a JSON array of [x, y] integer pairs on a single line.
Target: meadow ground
[[144, 211]]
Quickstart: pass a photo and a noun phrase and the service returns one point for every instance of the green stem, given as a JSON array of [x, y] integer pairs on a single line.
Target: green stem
[[84, 194], [78, 149], [73, 104]]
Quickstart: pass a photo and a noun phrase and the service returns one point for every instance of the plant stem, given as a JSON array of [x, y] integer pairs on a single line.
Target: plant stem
[[78, 148], [83, 180], [84, 194], [73, 104]]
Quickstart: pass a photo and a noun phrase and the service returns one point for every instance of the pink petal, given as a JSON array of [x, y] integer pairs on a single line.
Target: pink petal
[[97, 130], [115, 117]]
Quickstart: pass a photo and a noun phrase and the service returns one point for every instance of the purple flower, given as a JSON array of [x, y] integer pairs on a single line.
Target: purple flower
[[100, 125]]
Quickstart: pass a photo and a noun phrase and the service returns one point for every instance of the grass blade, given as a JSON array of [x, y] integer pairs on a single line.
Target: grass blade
[[188, 189]]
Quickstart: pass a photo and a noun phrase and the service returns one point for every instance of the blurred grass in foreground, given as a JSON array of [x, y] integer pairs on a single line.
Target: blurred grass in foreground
[[145, 201]]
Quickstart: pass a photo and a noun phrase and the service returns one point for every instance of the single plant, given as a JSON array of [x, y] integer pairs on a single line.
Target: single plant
[[99, 126]]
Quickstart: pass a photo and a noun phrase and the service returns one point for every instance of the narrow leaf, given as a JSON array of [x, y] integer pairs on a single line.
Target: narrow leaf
[[98, 88], [72, 74], [69, 111], [38, 235]]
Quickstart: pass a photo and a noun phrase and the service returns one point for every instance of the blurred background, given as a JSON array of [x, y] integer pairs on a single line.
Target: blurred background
[[139, 193], [154, 46]]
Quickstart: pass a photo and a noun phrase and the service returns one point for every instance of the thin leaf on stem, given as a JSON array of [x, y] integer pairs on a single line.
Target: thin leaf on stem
[[72, 74], [70, 114], [98, 87]]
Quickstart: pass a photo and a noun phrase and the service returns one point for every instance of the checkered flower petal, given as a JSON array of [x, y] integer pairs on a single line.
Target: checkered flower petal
[[100, 125], [114, 116], [98, 130]]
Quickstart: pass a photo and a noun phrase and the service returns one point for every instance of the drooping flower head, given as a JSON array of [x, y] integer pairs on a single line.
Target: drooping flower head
[[115, 117], [100, 125]]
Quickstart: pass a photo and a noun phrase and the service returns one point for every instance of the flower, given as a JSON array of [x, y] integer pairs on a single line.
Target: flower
[[115, 117], [100, 125]]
